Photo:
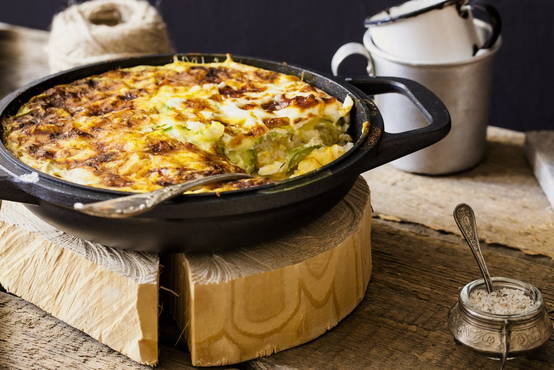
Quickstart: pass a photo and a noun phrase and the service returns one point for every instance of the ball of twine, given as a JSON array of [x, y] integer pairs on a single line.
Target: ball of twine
[[100, 30]]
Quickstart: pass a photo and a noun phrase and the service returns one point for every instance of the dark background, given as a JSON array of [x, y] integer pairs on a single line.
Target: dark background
[[307, 32]]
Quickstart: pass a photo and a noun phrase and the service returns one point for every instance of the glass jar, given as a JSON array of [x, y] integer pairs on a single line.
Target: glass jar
[[500, 336]]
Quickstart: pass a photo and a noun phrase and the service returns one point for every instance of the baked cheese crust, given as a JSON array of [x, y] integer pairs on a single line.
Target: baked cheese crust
[[141, 128]]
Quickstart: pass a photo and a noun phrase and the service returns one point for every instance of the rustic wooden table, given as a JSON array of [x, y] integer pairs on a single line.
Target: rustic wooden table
[[401, 323]]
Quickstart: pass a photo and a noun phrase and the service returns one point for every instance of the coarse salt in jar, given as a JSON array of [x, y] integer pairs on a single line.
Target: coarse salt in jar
[[509, 321]]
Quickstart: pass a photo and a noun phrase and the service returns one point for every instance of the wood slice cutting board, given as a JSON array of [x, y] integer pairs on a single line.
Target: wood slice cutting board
[[246, 303]]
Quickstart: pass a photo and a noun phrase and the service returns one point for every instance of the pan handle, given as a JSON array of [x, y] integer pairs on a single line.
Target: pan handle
[[394, 146], [10, 191]]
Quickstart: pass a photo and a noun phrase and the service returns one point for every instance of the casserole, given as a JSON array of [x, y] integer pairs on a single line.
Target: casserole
[[206, 221], [142, 128]]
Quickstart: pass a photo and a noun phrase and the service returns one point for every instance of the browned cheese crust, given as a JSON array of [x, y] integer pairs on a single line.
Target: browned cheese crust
[[141, 128]]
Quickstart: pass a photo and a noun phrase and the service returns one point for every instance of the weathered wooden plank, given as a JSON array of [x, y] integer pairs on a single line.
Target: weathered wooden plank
[[539, 147], [32, 339], [510, 206]]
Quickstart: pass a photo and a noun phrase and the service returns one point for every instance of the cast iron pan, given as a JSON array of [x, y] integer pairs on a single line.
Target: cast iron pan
[[206, 222]]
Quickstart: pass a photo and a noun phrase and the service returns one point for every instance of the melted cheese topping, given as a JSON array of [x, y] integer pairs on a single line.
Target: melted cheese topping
[[141, 128]]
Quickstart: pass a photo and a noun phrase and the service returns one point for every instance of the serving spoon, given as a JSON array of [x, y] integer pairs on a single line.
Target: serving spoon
[[465, 219], [136, 204]]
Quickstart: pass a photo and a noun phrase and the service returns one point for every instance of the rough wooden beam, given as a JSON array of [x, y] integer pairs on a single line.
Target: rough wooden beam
[[246, 303], [111, 295], [539, 147]]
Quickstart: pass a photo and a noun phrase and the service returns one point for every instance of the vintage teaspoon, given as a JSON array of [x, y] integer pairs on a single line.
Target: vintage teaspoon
[[136, 204], [465, 219]]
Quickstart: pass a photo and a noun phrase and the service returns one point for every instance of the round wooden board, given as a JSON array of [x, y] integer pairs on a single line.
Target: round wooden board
[[247, 303]]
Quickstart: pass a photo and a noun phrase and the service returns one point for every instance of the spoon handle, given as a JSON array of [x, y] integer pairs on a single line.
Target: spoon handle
[[136, 204], [465, 219]]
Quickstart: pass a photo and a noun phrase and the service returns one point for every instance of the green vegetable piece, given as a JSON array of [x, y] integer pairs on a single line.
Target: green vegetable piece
[[220, 148], [163, 127], [245, 159], [328, 132], [165, 108], [21, 114], [297, 155]]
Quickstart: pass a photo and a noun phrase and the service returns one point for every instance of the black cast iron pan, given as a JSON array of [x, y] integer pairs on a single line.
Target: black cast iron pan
[[204, 222]]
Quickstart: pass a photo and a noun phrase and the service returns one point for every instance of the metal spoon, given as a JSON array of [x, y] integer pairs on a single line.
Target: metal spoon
[[465, 219], [136, 204]]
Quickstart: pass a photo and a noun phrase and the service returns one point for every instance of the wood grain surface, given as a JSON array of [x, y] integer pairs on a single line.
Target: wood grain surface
[[539, 147], [109, 294], [401, 324], [510, 206], [32, 339], [246, 303]]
